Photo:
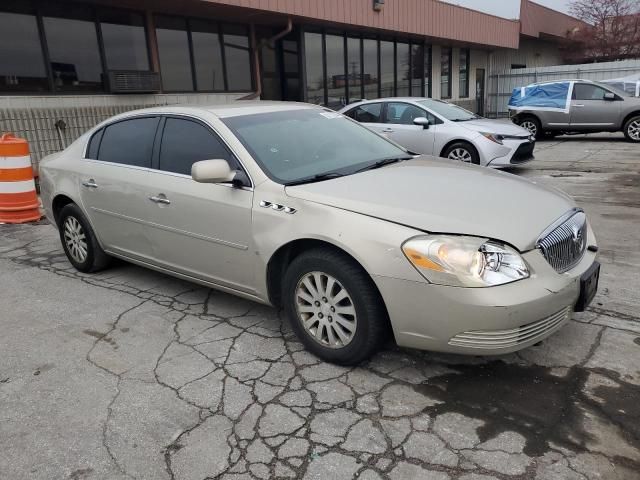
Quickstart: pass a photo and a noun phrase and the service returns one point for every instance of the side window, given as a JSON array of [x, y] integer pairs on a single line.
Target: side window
[[368, 113], [585, 91], [129, 142], [94, 145], [404, 113], [185, 142]]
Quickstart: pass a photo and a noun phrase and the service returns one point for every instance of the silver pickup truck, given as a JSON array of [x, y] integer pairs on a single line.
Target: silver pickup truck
[[594, 107]]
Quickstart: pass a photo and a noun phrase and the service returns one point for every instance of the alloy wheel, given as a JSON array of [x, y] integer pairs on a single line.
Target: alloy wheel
[[531, 126], [460, 154], [633, 130], [326, 310], [75, 239]]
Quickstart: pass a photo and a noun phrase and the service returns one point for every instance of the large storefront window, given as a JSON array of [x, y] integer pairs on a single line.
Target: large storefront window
[[387, 69], [403, 69], [370, 72], [427, 72], [125, 41], [173, 49], [336, 81], [445, 73], [417, 69], [465, 59], [207, 56], [313, 63], [238, 59], [22, 67], [354, 70], [72, 41]]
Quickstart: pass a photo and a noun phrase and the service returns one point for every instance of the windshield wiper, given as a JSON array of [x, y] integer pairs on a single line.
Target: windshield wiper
[[383, 162], [315, 178]]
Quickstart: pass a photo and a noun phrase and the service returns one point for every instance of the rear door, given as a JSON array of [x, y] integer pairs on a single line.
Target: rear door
[[400, 128], [590, 110], [114, 178], [199, 229]]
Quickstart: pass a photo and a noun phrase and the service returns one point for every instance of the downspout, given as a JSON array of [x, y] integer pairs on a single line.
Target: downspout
[[256, 47]]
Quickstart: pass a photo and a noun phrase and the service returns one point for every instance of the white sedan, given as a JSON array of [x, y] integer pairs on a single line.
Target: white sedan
[[436, 127]]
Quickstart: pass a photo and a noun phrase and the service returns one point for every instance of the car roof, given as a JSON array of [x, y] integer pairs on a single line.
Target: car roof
[[237, 108]]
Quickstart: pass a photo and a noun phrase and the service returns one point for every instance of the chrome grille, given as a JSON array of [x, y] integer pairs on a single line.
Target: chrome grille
[[496, 339], [563, 244]]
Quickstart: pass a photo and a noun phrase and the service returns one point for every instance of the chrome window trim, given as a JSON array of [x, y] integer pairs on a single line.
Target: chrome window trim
[[165, 115]]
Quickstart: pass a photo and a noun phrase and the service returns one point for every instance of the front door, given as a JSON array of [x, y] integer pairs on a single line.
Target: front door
[[113, 181], [480, 91], [198, 229], [400, 128], [590, 110]]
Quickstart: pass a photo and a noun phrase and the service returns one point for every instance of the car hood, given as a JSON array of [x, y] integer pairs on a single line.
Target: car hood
[[437, 195], [494, 126]]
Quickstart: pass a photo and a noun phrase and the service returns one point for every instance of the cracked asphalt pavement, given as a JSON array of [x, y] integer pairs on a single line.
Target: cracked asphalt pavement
[[129, 373]]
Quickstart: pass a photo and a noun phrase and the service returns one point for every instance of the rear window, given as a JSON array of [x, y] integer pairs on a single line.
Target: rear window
[[368, 113], [129, 142]]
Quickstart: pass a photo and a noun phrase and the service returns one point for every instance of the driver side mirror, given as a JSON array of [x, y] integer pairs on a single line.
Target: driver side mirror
[[421, 121], [609, 96], [212, 171]]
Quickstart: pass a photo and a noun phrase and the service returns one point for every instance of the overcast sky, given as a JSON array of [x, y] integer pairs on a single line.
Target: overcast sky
[[508, 8]]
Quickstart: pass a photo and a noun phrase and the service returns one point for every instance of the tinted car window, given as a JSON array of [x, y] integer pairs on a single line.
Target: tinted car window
[[94, 144], [369, 113], [185, 142], [129, 142], [584, 91], [404, 113]]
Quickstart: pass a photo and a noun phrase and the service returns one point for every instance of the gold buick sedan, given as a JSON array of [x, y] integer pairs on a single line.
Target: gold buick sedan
[[300, 207]]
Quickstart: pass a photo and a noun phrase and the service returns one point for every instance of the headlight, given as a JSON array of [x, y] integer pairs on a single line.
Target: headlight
[[494, 137], [464, 261]]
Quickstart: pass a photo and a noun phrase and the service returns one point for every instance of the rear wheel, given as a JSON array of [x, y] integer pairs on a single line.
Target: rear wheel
[[333, 306], [632, 129], [79, 242], [463, 152], [533, 125]]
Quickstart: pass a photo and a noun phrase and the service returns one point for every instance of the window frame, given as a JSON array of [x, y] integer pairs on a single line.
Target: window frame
[[101, 130], [467, 65]]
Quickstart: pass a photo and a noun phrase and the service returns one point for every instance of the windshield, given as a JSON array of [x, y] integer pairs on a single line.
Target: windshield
[[449, 111], [296, 145]]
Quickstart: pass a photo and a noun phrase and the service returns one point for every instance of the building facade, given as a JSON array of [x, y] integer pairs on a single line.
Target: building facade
[[66, 65]]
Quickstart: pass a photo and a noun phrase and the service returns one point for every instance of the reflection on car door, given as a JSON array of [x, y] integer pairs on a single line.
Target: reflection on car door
[[114, 177], [590, 110], [199, 229], [400, 128]]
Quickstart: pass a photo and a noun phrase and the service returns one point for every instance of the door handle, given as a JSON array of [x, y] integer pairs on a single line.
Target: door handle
[[163, 200], [578, 105], [91, 183], [387, 130]]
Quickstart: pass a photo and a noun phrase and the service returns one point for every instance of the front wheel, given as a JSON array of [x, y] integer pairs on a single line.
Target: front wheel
[[79, 242], [333, 306], [462, 152], [632, 129]]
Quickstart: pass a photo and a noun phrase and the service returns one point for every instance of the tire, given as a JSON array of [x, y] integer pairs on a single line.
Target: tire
[[632, 129], [533, 125], [79, 241], [362, 308], [463, 152]]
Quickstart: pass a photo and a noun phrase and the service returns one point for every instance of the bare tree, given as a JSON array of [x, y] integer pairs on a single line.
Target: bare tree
[[614, 28]]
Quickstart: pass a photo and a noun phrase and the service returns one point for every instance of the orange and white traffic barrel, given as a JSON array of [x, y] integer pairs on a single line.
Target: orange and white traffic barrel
[[18, 199]]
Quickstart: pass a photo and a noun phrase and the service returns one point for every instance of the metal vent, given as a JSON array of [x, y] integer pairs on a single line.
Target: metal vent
[[563, 245], [126, 81]]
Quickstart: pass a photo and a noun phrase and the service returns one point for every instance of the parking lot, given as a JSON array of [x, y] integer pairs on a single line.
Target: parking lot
[[129, 373]]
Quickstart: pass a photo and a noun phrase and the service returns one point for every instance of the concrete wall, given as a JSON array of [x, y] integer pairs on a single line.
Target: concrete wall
[[532, 52], [34, 117]]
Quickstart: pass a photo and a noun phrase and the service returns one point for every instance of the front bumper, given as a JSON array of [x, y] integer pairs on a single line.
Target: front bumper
[[519, 152], [483, 321]]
